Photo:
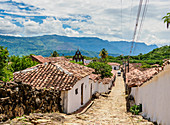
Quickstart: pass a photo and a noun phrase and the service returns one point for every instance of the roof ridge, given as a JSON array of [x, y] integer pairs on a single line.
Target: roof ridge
[[62, 69]]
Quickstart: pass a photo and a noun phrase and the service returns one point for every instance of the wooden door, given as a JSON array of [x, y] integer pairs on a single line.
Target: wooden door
[[91, 90], [82, 93]]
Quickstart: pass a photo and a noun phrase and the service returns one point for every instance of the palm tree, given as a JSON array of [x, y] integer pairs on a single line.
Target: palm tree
[[54, 54], [167, 19], [103, 53]]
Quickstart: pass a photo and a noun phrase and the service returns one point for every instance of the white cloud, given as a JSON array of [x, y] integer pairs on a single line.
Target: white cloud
[[105, 21], [6, 27]]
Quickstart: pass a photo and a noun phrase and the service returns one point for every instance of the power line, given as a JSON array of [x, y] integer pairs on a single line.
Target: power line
[[142, 20], [136, 25]]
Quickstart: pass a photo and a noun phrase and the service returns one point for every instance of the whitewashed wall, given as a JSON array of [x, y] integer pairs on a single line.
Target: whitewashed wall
[[100, 87], [117, 67], [73, 100], [87, 61], [155, 98], [104, 87], [94, 86]]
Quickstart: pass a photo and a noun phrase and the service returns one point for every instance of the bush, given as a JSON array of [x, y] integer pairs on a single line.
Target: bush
[[81, 63], [136, 109], [146, 66], [101, 68], [21, 63], [5, 69]]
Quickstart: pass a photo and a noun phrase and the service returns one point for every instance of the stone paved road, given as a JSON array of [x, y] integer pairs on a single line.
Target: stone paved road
[[109, 110]]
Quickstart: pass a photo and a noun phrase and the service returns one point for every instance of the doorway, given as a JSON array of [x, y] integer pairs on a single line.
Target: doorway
[[82, 85]]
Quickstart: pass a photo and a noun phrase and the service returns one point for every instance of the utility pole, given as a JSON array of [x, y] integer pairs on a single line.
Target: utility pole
[[125, 72], [128, 63]]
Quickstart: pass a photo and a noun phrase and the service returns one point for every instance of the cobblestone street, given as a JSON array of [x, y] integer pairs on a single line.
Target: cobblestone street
[[109, 110]]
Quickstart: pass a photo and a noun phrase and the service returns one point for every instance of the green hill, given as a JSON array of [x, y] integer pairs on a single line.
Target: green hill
[[89, 46], [156, 54]]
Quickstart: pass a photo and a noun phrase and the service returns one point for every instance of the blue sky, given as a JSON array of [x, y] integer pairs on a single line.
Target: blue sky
[[84, 18]]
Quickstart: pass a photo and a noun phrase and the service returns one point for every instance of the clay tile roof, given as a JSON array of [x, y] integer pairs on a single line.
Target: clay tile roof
[[115, 64], [57, 59], [39, 59], [96, 78], [47, 76], [78, 70], [137, 78]]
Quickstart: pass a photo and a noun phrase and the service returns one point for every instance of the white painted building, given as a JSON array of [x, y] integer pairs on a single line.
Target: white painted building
[[71, 79], [154, 96], [101, 85], [115, 66], [77, 97], [86, 62]]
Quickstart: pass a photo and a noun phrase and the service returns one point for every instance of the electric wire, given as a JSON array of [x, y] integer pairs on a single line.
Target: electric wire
[[141, 23], [136, 25]]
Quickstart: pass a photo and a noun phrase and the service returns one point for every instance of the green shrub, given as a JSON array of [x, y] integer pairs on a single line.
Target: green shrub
[[101, 68], [21, 63], [81, 63], [136, 109]]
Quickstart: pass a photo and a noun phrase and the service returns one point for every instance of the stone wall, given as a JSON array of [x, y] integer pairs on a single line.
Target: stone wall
[[17, 99]]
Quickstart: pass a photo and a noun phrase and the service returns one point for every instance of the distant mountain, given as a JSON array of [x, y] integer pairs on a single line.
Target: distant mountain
[[90, 46]]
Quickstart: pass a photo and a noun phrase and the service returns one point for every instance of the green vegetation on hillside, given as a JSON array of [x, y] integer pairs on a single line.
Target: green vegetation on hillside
[[156, 56], [89, 46]]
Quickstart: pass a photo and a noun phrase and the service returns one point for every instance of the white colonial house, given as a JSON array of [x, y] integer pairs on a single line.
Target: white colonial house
[[115, 66], [72, 80], [86, 62], [100, 85], [77, 97]]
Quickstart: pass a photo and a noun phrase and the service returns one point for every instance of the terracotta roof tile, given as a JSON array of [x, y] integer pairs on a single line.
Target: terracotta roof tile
[[115, 64], [57, 59], [96, 78], [39, 59], [136, 77], [78, 70], [62, 75], [47, 76]]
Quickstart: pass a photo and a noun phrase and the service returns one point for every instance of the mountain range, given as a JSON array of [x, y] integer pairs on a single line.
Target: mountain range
[[89, 46]]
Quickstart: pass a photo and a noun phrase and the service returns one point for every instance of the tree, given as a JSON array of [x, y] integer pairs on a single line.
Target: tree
[[5, 69], [101, 68], [54, 54], [103, 54], [21, 63], [167, 19]]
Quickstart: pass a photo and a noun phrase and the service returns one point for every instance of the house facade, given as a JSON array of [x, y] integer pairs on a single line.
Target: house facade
[[100, 85], [72, 80], [78, 96], [115, 66], [74, 86]]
